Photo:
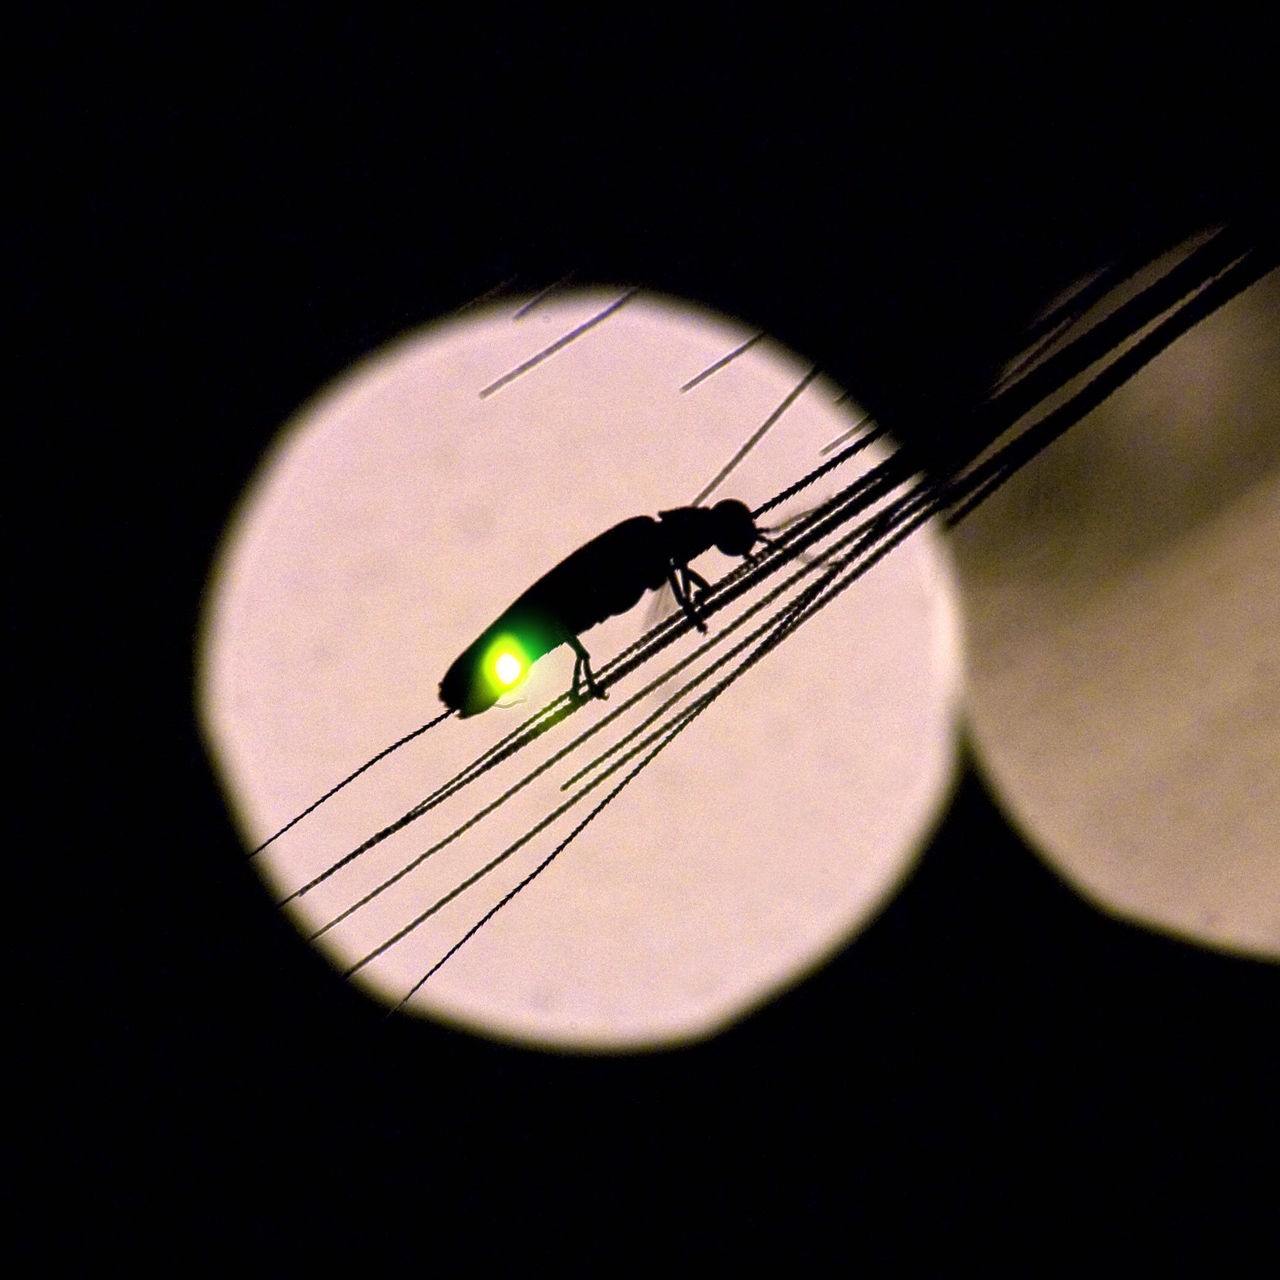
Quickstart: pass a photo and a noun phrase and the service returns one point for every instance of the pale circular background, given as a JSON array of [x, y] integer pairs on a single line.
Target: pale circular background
[[1121, 597], [400, 513]]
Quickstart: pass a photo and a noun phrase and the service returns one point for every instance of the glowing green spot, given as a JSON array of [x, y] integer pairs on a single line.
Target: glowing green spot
[[508, 668], [504, 666]]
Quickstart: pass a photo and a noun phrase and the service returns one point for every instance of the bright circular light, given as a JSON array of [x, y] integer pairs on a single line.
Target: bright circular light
[[750, 849], [508, 668]]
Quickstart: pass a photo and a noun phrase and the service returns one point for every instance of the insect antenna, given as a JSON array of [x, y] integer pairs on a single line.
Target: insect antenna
[[771, 535]]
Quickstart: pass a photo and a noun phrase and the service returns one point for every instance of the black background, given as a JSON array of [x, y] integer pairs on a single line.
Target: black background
[[225, 215]]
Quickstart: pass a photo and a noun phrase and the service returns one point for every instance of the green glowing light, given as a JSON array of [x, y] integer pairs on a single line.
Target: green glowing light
[[504, 666], [508, 668]]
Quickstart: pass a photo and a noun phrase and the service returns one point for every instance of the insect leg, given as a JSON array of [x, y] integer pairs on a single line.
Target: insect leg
[[687, 576], [582, 672], [680, 586]]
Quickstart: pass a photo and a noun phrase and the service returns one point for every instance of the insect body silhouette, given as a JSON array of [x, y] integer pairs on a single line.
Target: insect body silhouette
[[605, 577]]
